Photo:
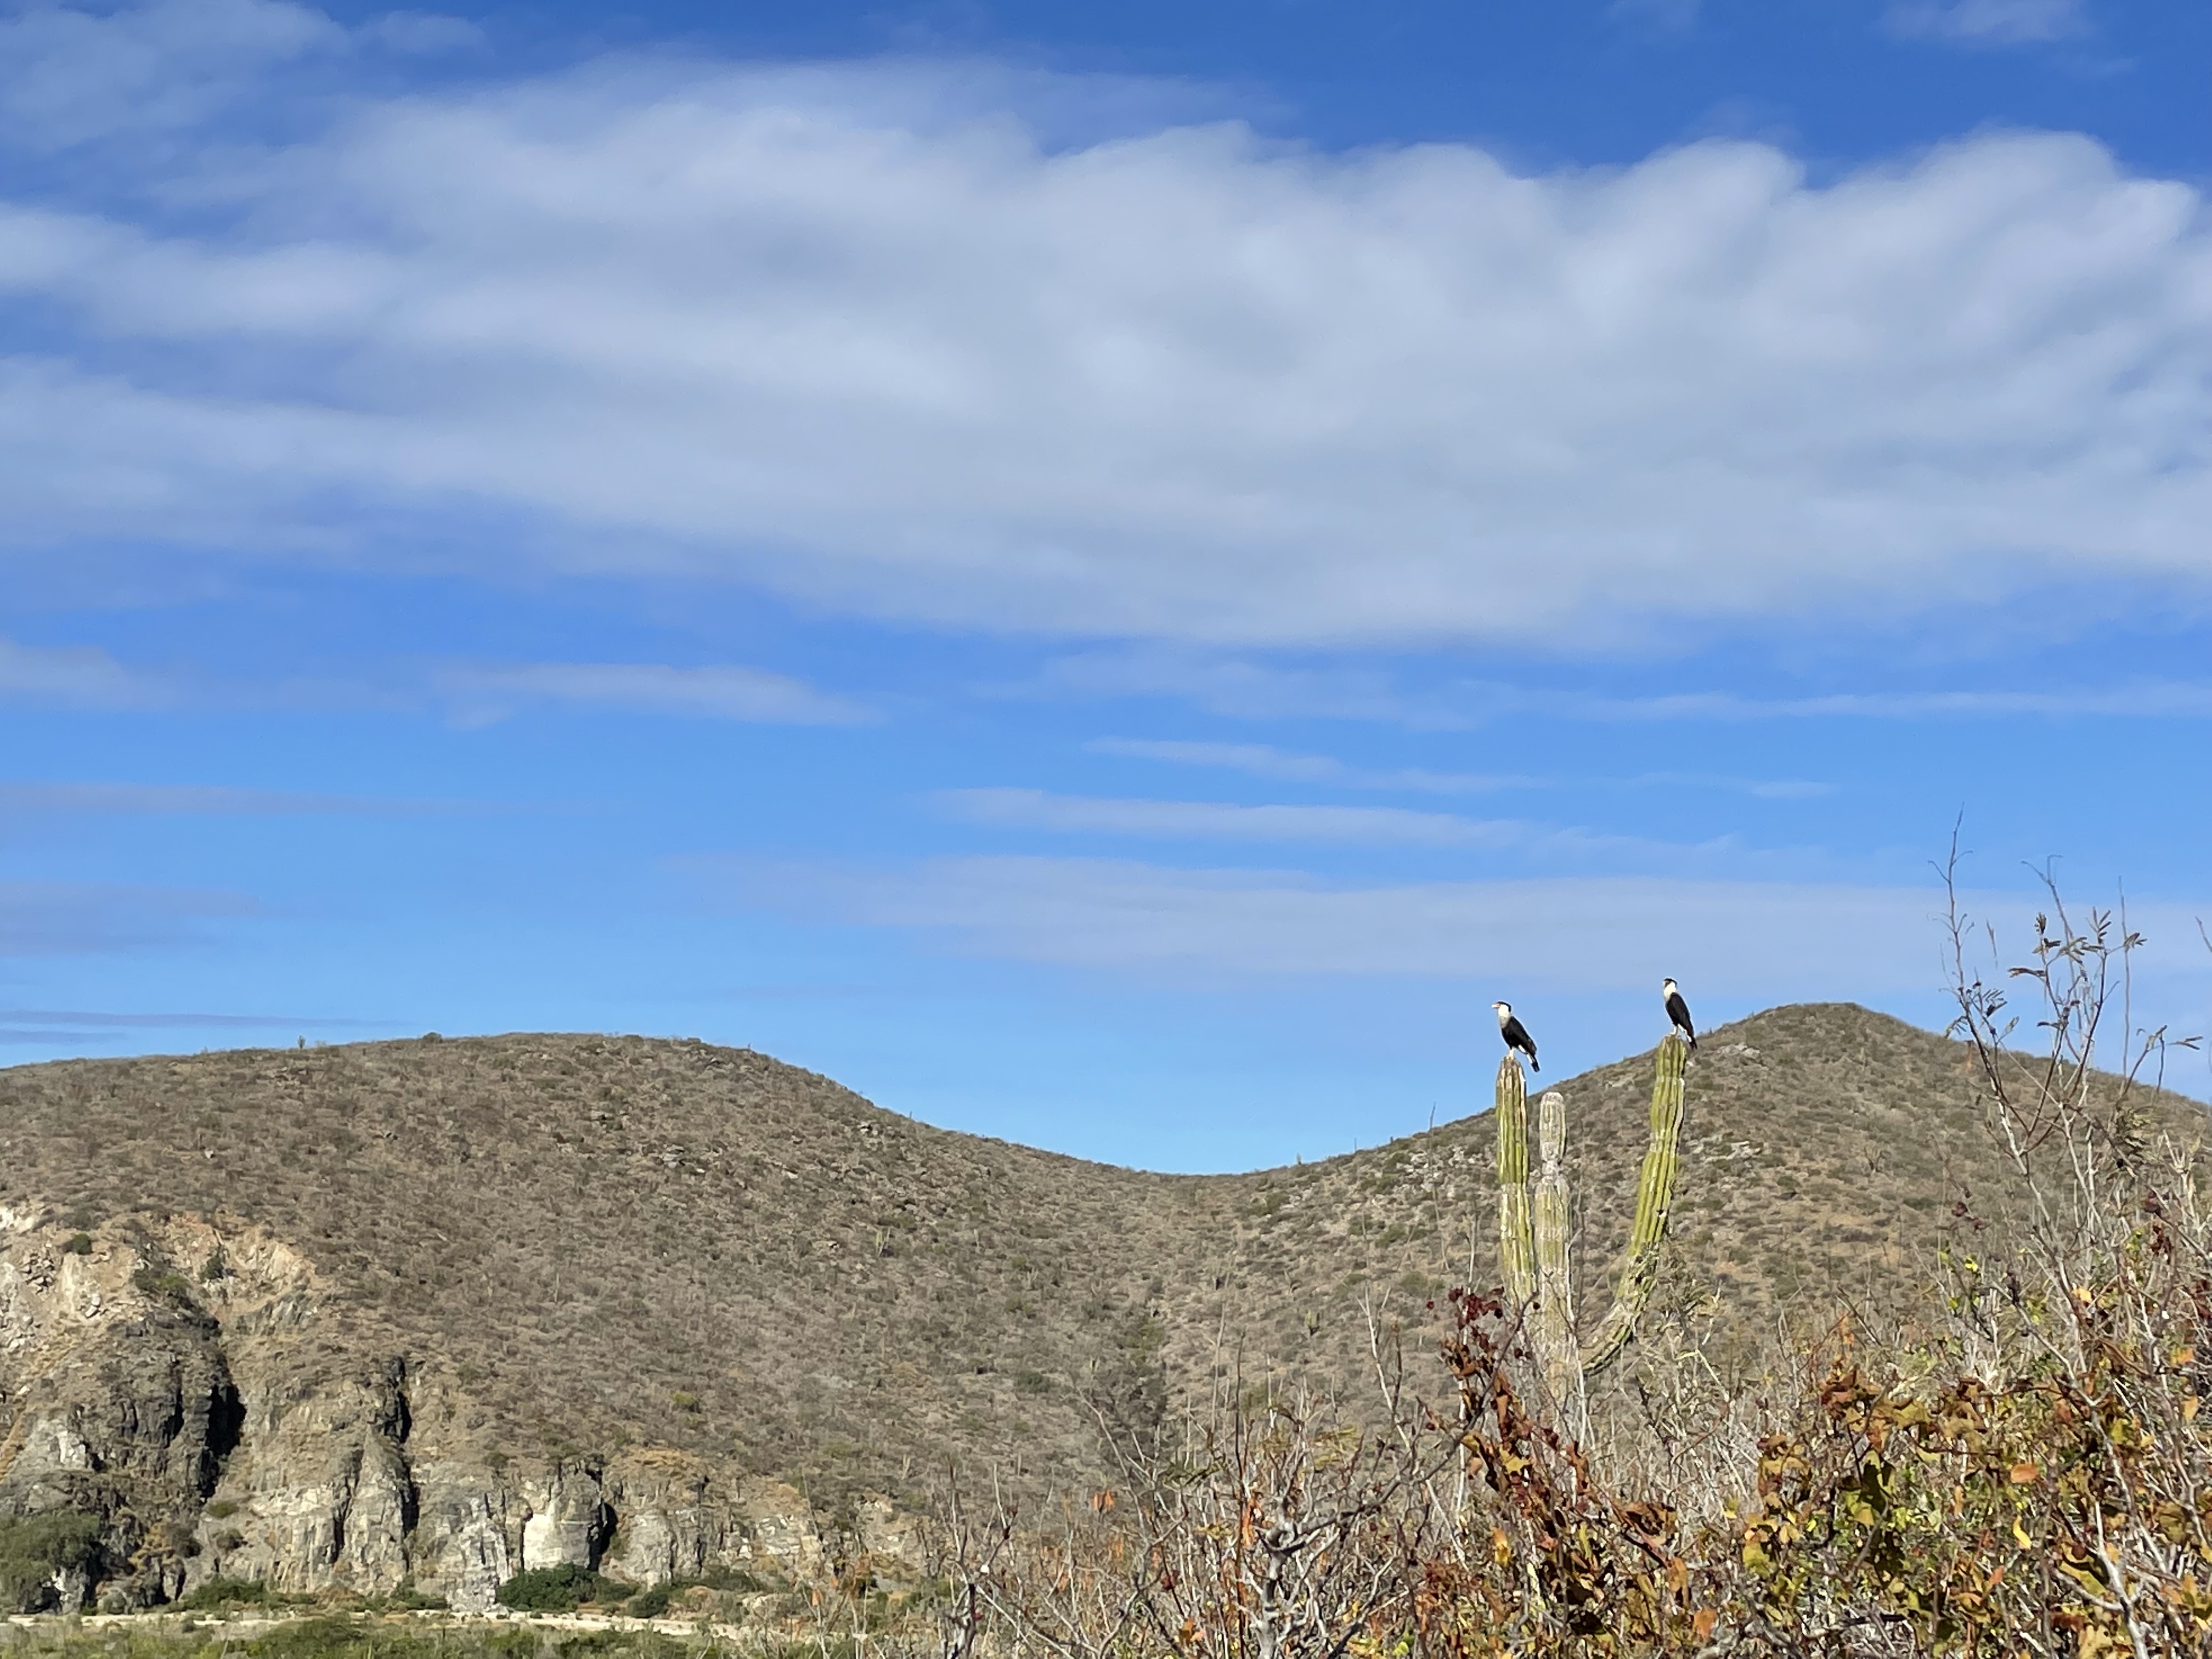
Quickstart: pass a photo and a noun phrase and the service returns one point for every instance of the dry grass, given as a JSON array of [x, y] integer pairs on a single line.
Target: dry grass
[[2013, 1460], [601, 1240]]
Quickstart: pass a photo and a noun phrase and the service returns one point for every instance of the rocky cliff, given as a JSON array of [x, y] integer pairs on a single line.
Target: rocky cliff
[[183, 1379]]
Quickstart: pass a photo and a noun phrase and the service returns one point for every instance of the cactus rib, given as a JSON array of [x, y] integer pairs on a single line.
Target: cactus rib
[[1534, 1248], [1555, 1290], [1516, 1249], [1654, 1200]]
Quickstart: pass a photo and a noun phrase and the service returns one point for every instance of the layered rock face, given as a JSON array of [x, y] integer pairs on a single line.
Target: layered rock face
[[187, 1381]]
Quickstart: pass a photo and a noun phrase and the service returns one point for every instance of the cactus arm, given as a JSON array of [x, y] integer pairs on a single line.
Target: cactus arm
[[1655, 1198], [1516, 1249], [1554, 1317]]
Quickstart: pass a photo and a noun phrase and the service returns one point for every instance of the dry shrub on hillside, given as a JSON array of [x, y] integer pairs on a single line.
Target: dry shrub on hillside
[[2024, 1470]]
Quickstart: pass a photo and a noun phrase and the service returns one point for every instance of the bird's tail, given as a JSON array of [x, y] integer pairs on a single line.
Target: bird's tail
[[1533, 1066]]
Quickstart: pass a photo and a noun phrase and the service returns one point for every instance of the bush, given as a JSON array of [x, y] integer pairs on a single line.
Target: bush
[[219, 1592], [558, 1589], [651, 1603], [35, 1548], [407, 1598], [731, 1578], [172, 1288], [79, 1244]]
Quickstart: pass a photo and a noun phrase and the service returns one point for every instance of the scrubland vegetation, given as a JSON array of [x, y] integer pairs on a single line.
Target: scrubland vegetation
[[345, 1637], [1887, 1393], [2018, 1465]]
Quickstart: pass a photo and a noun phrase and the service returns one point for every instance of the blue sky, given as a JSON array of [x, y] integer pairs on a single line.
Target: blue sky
[[1105, 575]]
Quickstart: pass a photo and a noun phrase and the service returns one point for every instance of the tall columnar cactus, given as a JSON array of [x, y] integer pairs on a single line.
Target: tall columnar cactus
[[1533, 1230], [1554, 1310], [1517, 1248]]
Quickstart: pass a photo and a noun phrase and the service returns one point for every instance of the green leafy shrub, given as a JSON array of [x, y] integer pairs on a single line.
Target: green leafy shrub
[[407, 1598], [35, 1548], [219, 1592], [79, 1244], [651, 1603], [172, 1288], [558, 1589]]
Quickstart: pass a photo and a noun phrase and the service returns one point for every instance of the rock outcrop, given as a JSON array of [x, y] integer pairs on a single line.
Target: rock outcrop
[[186, 1384]]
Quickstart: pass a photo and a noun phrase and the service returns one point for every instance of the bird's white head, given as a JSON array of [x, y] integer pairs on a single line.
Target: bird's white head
[[1504, 1010], [1668, 987]]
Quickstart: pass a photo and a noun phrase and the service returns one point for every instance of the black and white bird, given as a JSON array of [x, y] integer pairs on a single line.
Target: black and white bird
[[1516, 1034], [1679, 1011]]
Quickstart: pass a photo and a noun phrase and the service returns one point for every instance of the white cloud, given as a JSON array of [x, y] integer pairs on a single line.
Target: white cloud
[[1773, 941], [1582, 932], [1989, 22], [1194, 820], [858, 339], [73, 74], [1261, 760], [1251, 690], [2155, 699], [721, 692], [75, 676]]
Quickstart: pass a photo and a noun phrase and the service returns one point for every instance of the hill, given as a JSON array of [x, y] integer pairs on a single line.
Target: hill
[[432, 1310]]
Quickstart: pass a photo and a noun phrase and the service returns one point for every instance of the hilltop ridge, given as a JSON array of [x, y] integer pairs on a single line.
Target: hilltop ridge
[[548, 1256]]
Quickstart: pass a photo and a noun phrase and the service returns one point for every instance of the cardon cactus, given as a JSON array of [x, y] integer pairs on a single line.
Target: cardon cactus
[[1533, 1222]]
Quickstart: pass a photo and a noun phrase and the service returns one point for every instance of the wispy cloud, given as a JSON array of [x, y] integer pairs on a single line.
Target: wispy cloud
[[1989, 22], [1253, 688], [41, 919], [47, 1028], [722, 692], [75, 677], [210, 801], [1451, 402], [1591, 933], [1188, 820], [1774, 941], [2167, 700], [1261, 760], [98, 1020], [1757, 788]]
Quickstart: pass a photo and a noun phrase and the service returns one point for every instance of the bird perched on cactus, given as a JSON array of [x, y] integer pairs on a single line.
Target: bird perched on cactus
[[1516, 1034], [1679, 1011]]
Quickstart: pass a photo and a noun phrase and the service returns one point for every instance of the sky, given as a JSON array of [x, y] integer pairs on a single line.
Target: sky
[[1105, 575]]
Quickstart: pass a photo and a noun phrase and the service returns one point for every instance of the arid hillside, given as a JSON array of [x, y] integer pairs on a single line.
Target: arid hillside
[[569, 1254]]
